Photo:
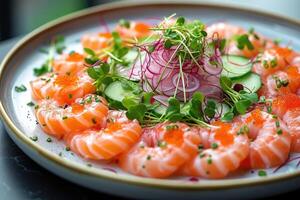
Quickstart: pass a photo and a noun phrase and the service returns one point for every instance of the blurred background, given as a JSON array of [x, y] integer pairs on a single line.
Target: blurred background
[[18, 17]]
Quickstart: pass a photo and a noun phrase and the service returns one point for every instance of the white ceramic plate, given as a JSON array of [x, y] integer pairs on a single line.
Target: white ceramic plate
[[17, 69]]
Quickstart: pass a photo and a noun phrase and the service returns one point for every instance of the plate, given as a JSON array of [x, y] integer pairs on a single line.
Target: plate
[[18, 118]]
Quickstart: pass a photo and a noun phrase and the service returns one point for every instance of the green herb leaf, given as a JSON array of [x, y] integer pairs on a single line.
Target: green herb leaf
[[242, 106], [180, 21], [59, 44], [89, 52], [227, 117], [137, 112], [243, 42], [196, 105], [130, 101]]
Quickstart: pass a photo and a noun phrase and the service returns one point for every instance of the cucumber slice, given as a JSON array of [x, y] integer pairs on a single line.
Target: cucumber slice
[[116, 92], [235, 66], [250, 81]]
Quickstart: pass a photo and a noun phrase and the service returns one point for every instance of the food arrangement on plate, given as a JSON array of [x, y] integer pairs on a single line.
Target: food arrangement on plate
[[176, 98]]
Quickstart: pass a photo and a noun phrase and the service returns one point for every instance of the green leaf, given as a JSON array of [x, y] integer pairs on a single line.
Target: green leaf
[[168, 44], [196, 105], [175, 117], [89, 52], [227, 117], [174, 106], [225, 83], [91, 60], [136, 112], [116, 105], [92, 73], [243, 41], [117, 39], [253, 97], [129, 102], [242, 105], [210, 109], [105, 68], [180, 21], [107, 80]]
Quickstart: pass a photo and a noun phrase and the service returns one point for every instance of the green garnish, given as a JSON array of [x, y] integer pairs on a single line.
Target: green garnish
[[240, 101], [124, 23], [280, 83], [46, 67], [201, 155], [171, 127], [30, 104], [20, 88], [64, 117], [243, 130], [49, 140], [161, 144], [59, 44], [244, 42], [209, 160], [214, 145], [262, 173], [34, 138]]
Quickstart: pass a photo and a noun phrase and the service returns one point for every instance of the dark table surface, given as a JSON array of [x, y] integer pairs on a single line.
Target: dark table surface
[[22, 178]]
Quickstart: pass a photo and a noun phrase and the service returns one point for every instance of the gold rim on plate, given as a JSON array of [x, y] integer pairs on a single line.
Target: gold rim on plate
[[130, 179]]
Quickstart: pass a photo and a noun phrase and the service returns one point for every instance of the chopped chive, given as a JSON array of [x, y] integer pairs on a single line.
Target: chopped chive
[[171, 127], [262, 173], [34, 138], [200, 147], [214, 145], [201, 155], [60, 154], [161, 144], [89, 165], [31, 104], [70, 96], [269, 109], [36, 107], [279, 131], [49, 140], [20, 88], [68, 149], [89, 99], [64, 117], [277, 124], [148, 157], [209, 160]]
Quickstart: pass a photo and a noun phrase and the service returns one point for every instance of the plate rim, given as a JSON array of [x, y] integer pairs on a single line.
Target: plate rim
[[131, 179]]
